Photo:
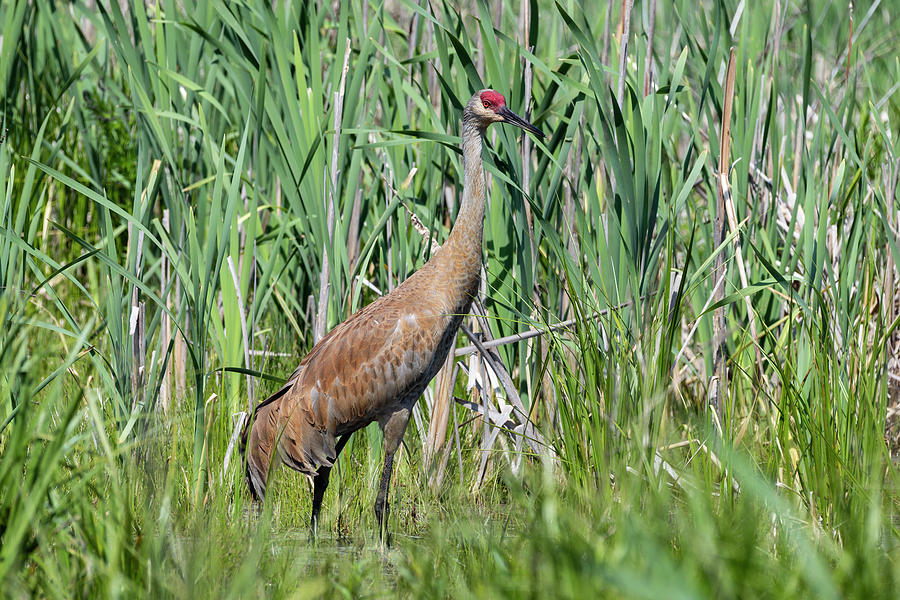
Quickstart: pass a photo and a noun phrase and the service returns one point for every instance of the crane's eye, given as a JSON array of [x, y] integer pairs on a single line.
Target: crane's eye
[[487, 104]]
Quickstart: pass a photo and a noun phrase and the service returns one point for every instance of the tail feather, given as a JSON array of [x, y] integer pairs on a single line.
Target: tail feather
[[278, 430], [305, 447], [318, 446], [258, 440]]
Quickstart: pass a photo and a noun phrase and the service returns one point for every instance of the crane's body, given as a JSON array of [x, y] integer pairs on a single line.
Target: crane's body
[[376, 364]]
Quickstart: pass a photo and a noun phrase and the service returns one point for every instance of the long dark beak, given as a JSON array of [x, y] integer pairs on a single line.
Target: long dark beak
[[514, 119]]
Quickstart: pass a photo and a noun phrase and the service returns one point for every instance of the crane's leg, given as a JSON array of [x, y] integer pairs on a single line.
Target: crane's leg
[[320, 483], [394, 428]]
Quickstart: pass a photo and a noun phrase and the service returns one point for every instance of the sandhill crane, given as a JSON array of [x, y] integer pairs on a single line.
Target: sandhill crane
[[376, 364]]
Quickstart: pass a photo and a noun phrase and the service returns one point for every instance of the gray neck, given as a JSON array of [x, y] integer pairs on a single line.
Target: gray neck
[[469, 227]]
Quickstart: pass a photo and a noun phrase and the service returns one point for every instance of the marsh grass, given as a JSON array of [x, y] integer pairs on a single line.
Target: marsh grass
[[164, 179]]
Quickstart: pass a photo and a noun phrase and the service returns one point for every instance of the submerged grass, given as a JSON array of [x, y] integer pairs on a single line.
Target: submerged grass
[[165, 175]]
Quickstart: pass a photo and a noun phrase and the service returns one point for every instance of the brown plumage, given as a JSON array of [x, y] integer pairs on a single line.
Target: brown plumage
[[375, 365]]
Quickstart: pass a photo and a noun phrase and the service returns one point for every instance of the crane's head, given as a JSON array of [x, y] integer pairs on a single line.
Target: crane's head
[[488, 106]]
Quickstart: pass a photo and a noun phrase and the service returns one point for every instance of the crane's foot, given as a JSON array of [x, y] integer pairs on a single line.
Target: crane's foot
[[393, 429], [313, 530], [382, 509]]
